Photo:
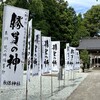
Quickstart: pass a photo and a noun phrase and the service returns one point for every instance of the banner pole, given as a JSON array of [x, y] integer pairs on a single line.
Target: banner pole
[[64, 77], [73, 73], [51, 84], [41, 87], [59, 76], [68, 76], [59, 85], [26, 89]]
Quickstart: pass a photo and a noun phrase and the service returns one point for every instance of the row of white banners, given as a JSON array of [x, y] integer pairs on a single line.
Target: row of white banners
[[46, 55], [72, 58]]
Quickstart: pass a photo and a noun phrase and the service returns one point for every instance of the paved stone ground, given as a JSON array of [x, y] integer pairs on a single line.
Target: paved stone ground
[[60, 89], [89, 89]]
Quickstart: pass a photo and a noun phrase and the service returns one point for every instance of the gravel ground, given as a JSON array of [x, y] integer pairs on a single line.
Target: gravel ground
[[89, 89], [60, 89]]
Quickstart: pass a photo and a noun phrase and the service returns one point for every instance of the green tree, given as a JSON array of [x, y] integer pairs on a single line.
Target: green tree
[[84, 55], [54, 18], [35, 12], [10, 2], [92, 20], [21, 3], [81, 31], [60, 20]]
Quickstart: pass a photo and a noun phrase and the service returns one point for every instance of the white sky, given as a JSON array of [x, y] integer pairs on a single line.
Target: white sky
[[81, 6]]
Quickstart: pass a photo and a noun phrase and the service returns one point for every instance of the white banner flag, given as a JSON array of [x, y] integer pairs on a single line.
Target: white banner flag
[[37, 53], [29, 49], [13, 45], [72, 58], [67, 45], [77, 58], [67, 52], [46, 51], [67, 58], [55, 55]]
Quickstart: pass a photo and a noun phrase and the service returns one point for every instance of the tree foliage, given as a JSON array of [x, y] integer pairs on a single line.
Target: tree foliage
[[80, 32], [84, 55], [92, 20], [56, 19]]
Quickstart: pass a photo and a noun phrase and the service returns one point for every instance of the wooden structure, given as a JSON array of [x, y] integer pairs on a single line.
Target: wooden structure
[[93, 47]]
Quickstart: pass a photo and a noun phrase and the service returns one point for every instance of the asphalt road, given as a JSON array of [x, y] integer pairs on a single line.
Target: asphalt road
[[89, 89]]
